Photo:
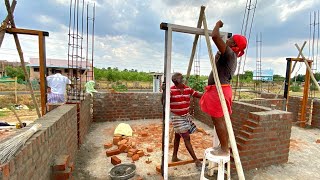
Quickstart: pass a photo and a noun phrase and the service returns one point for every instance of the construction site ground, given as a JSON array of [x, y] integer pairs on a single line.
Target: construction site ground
[[92, 162]]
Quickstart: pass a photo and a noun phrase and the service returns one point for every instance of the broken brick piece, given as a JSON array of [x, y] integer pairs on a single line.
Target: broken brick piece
[[135, 157], [134, 151], [112, 152], [123, 141], [140, 153], [149, 149], [127, 149], [61, 162], [115, 160], [144, 134], [62, 175], [130, 154], [107, 145], [318, 141], [122, 147], [116, 140], [133, 144]]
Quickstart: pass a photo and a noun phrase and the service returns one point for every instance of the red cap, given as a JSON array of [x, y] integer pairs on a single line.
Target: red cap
[[241, 42]]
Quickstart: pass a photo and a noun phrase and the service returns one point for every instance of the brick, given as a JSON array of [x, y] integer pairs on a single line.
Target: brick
[[122, 147], [130, 154], [133, 144], [113, 152], [318, 141], [135, 157], [116, 140], [140, 153], [149, 149], [61, 162], [115, 160], [144, 134], [127, 149], [107, 145], [62, 175], [123, 141], [134, 151]]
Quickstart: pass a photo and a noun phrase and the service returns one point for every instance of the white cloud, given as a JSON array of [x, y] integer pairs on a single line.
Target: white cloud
[[288, 8]]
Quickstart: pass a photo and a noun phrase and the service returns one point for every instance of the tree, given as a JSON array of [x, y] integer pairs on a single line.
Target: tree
[[277, 77], [15, 72]]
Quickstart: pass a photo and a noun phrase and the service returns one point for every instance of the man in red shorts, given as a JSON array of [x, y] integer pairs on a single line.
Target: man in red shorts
[[226, 62], [181, 119]]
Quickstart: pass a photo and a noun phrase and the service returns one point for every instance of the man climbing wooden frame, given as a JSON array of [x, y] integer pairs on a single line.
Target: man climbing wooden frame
[[168, 47]]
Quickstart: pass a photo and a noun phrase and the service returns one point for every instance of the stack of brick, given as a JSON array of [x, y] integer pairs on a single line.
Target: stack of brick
[[62, 168], [125, 145]]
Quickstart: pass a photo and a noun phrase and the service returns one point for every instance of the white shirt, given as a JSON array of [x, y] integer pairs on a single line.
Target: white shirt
[[58, 83]]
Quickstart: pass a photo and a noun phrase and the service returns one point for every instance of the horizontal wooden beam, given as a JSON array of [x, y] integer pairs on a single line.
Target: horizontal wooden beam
[[298, 59], [179, 163], [191, 30], [26, 31]]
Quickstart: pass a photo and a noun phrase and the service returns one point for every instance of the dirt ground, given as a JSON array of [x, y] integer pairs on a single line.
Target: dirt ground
[[92, 162]]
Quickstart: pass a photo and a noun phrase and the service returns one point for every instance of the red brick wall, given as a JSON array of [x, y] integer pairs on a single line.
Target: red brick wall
[[126, 106], [294, 106], [57, 136], [262, 134], [85, 117], [279, 104], [316, 114]]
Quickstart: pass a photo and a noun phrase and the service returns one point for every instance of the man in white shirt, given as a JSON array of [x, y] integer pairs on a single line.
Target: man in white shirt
[[58, 84]]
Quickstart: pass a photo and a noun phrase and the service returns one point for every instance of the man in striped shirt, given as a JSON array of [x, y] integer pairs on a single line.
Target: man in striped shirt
[[181, 119]]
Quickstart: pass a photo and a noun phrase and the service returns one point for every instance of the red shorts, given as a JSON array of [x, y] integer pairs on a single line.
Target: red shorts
[[210, 102]]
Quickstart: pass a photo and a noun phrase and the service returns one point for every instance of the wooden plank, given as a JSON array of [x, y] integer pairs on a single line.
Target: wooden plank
[[306, 62], [287, 81], [6, 21], [195, 42], [299, 59], [224, 105], [191, 30], [43, 72], [167, 102], [179, 163], [305, 99], [26, 31]]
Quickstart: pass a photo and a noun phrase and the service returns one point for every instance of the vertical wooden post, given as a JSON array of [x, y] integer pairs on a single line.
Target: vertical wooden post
[[43, 72], [305, 98], [15, 89], [287, 81], [223, 104]]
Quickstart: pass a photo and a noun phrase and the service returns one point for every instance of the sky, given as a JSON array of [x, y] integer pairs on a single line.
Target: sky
[[127, 33]]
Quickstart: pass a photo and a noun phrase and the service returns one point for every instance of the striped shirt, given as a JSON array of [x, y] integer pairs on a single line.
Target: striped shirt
[[180, 99]]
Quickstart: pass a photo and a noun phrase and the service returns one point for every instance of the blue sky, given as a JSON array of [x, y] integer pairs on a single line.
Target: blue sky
[[127, 33]]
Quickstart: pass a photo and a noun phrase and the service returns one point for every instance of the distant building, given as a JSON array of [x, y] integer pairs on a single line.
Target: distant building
[[60, 64]]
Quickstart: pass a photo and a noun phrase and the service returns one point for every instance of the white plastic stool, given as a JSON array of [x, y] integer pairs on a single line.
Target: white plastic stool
[[220, 160]]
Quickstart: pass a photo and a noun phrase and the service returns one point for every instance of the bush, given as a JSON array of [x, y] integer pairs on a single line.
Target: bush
[[119, 87], [295, 88], [196, 83]]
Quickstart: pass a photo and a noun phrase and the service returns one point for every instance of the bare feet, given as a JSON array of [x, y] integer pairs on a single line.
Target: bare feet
[[219, 152], [175, 159]]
